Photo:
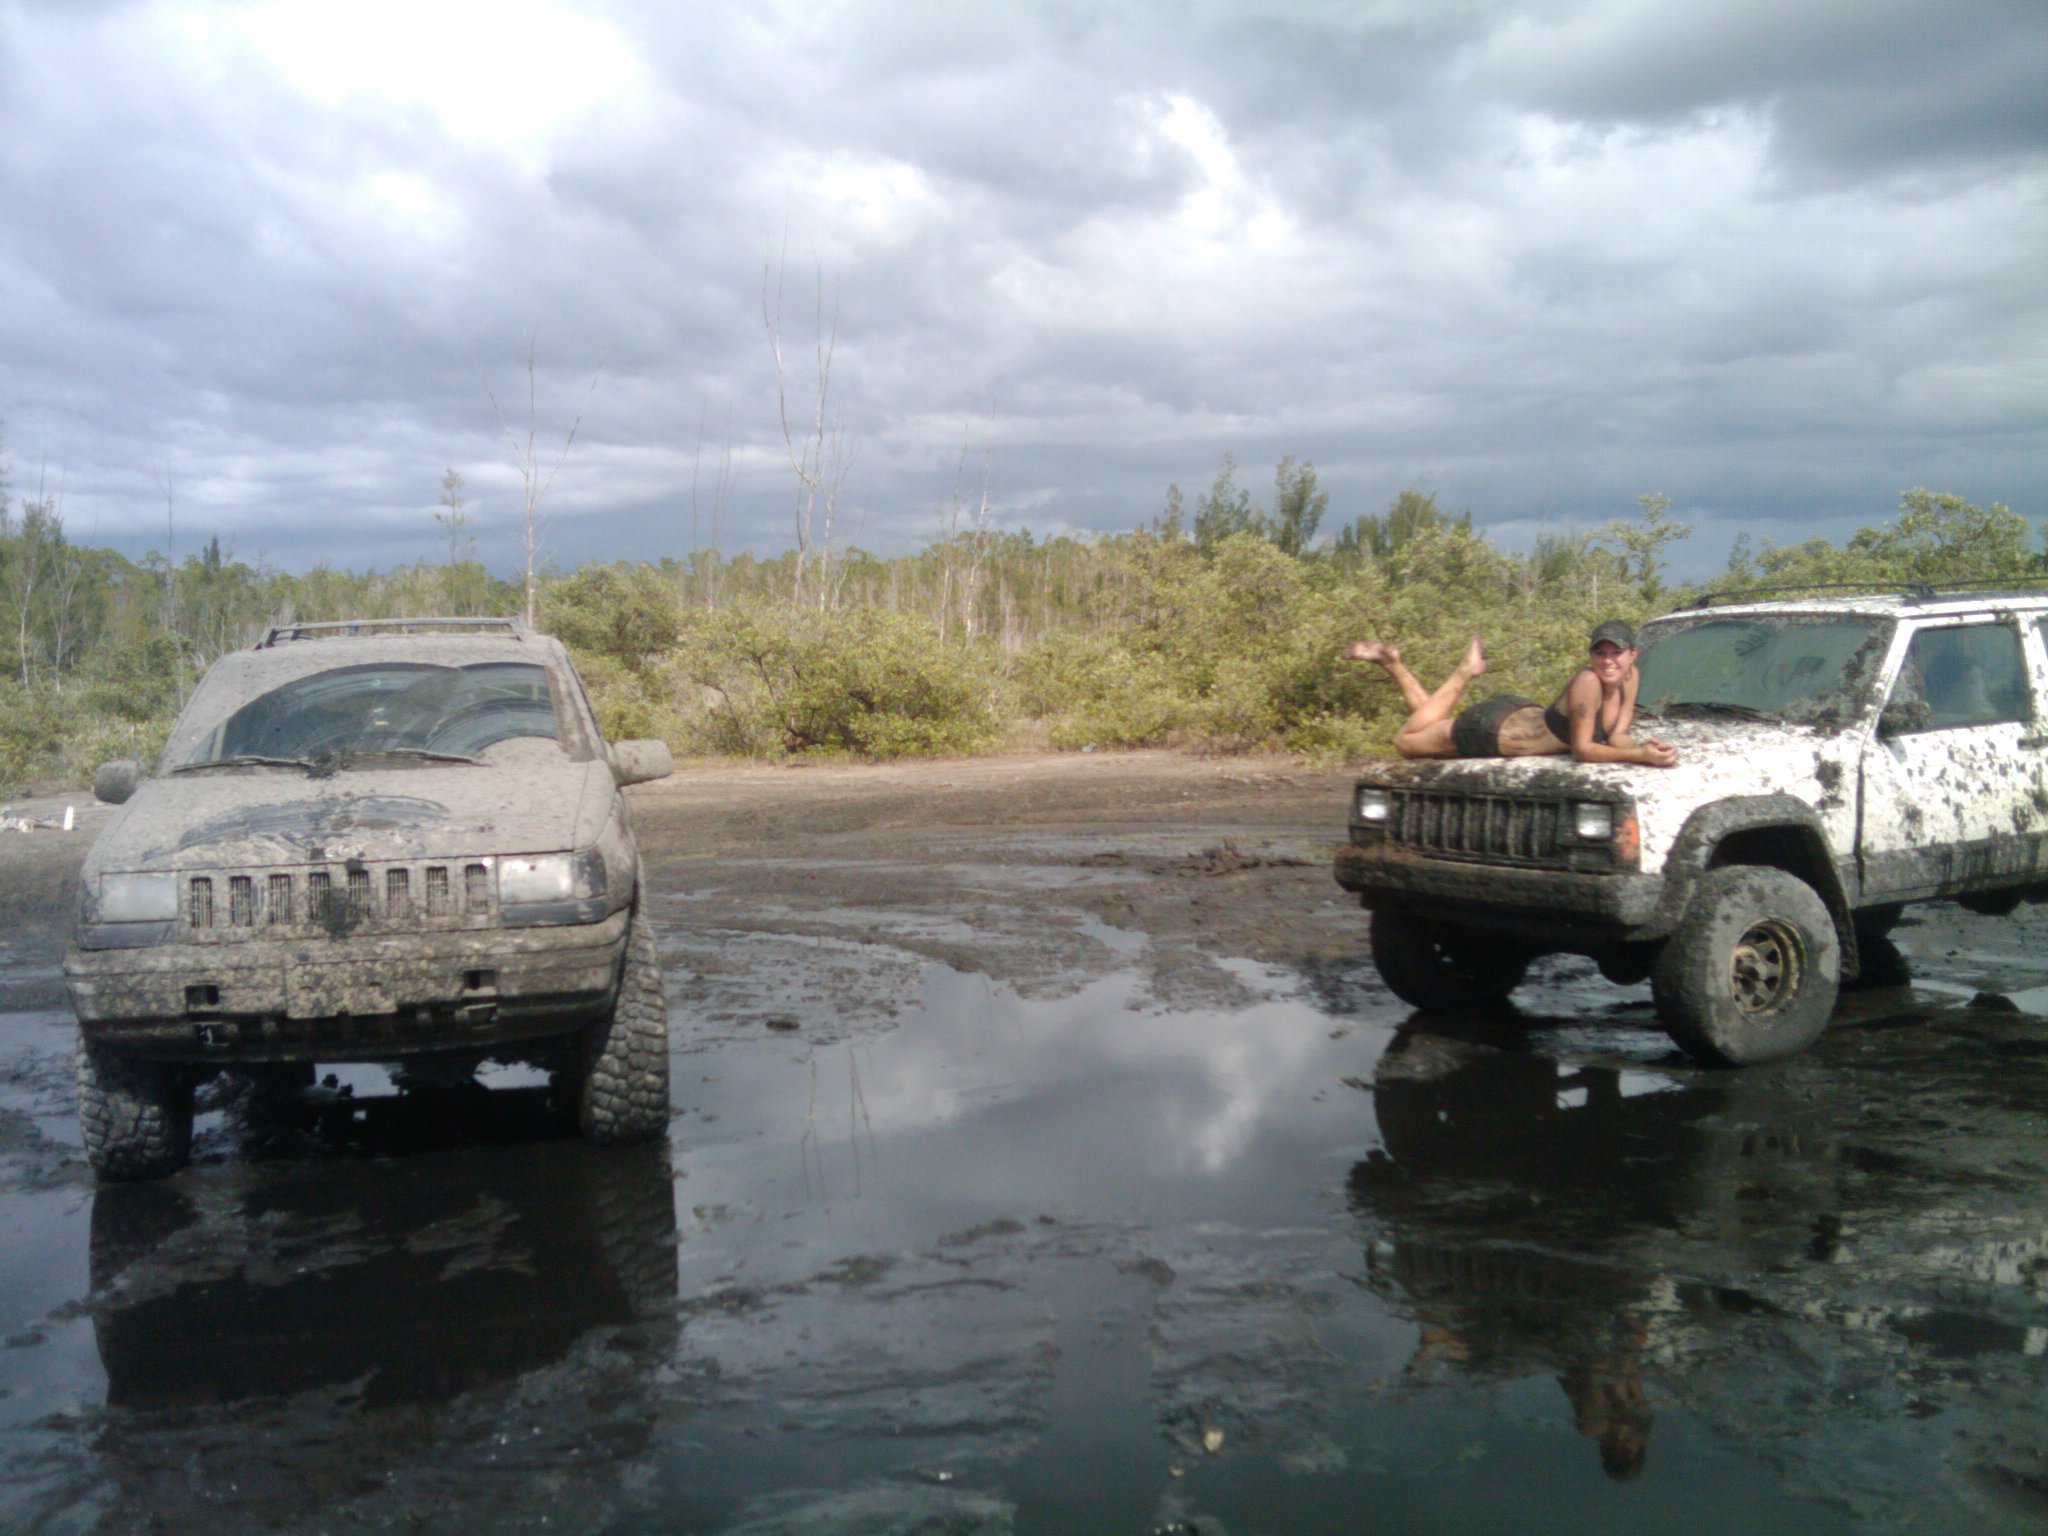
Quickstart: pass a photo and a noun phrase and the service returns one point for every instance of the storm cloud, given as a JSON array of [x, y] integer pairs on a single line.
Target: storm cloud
[[267, 269]]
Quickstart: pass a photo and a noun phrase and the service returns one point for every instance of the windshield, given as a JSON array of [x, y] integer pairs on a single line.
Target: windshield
[[1804, 668], [387, 707]]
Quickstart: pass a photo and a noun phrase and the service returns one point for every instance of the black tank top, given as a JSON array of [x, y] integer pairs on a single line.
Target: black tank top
[[1560, 723]]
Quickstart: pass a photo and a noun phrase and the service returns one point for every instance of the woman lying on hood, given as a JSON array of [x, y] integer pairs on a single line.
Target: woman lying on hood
[[1590, 719]]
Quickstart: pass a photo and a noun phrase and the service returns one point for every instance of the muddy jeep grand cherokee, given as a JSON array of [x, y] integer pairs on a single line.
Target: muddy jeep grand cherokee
[[1837, 759], [397, 841]]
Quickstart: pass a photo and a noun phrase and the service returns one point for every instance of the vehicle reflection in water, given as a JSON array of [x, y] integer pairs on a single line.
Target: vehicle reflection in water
[[284, 1325], [1724, 1246], [1503, 1201]]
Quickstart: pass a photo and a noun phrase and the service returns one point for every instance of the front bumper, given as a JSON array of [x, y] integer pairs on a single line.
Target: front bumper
[[1565, 907], [368, 998]]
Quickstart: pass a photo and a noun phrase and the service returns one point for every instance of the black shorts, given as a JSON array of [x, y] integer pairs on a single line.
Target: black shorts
[[1476, 731]]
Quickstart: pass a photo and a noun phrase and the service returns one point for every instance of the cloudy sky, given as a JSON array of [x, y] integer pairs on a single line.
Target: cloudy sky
[[266, 265]]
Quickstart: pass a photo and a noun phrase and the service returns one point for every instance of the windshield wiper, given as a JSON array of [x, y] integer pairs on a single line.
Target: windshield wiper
[[1713, 708], [248, 760], [420, 752]]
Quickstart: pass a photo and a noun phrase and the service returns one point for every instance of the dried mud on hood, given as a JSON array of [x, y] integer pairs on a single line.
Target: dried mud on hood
[[283, 816]]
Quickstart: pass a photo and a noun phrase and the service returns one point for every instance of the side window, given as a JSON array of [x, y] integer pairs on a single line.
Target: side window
[[1974, 675]]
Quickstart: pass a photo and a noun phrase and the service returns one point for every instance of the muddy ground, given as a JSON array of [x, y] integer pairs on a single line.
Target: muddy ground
[[1047, 1156]]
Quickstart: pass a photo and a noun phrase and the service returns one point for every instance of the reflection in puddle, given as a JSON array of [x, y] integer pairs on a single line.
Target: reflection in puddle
[[1673, 1247], [1081, 1263], [408, 1286]]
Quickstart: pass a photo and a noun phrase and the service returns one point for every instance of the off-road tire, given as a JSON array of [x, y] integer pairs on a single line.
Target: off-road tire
[[1753, 970], [1439, 967], [135, 1115], [622, 1082]]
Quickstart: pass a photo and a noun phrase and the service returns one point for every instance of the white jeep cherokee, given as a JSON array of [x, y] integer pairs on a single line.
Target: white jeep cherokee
[[1837, 759]]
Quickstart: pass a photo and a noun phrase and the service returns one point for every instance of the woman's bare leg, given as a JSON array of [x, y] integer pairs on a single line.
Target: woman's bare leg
[[1428, 730], [1382, 655]]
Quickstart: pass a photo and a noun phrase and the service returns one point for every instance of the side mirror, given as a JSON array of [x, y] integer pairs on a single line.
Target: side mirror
[[641, 762], [115, 782], [1902, 716]]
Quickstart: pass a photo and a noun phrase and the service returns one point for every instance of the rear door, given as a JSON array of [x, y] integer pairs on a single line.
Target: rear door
[[1954, 795]]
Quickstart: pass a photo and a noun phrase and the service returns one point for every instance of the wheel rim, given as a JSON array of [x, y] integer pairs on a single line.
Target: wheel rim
[[1764, 970]]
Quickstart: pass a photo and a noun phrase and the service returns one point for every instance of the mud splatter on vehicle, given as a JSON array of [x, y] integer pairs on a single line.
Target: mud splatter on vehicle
[[1839, 758], [397, 841]]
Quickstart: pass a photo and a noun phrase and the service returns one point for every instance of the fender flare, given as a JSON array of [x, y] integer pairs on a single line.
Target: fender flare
[[1800, 847]]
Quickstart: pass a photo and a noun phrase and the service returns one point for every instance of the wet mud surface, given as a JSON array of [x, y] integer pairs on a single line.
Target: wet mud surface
[[1047, 1156]]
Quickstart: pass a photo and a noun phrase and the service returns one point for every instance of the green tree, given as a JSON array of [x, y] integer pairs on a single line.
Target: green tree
[[1938, 536], [1225, 509], [628, 613], [27, 557], [1412, 515], [1171, 523], [1298, 506], [1643, 540]]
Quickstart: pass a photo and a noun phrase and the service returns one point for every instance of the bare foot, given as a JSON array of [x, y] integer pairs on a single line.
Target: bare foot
[[1474, 664], [1372, 650]]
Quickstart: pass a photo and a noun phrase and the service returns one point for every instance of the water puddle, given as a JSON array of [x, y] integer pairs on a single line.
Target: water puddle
[[1023, 1264]]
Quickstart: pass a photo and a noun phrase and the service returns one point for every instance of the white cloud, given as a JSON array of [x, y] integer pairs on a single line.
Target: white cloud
[[1544, 256], [1222, 206], [510, 74]]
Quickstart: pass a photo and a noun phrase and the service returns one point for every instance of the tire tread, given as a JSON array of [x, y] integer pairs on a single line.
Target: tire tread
[[134, 1116], [622, 1094]]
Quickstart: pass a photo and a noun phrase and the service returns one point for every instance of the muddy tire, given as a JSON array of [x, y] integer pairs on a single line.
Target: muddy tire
[[622, 1084], [135, 1116], [1439, 967], [1753, 971]]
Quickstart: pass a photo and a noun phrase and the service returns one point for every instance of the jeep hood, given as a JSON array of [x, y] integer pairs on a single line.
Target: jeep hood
[[1717, 760], [259, 816]]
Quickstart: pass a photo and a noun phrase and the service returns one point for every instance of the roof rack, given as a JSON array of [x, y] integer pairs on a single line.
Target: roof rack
[[331, 629], [1989, 585], [1914, 591]]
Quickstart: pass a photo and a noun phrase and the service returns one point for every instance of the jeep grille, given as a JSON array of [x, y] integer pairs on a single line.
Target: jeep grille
[[362, 898], [1501, 829]]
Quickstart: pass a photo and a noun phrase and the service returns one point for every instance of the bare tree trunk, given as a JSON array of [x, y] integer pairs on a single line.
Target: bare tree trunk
[[171, 580], [819, 459], [533, 485], [977, 556]]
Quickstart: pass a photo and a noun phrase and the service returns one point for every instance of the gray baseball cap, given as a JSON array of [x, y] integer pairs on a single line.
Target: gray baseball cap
[[1613, 630]]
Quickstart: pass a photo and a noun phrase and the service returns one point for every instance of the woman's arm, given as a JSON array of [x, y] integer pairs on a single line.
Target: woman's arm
[[1582, 712], [1620, 736]]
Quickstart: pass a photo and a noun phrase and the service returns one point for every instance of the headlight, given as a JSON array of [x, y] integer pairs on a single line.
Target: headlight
[[138, 898], [1593, 823], [1374, 805], [550, 877]]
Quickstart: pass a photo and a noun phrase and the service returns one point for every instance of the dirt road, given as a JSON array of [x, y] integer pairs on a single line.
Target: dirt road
[[1046, 1156], [1037, 873]]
